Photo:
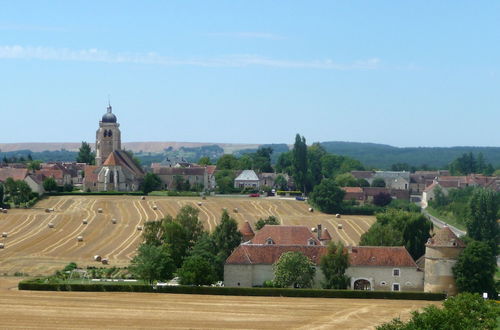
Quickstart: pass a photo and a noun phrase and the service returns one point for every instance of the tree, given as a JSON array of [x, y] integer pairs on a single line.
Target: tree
[[284, 163], [378, 182], [380, 235], [204, 161], [334, 265], [2, 193], [397, 227], [49, 184], [346, 180], [462, 312], [174, 238], [314, 155], [151, 183], [227, 162], [225, 181], [299, 162], [187, 217], [294, 269], [152, 263], [271, 220], [197, 271], [226, 235], [85, 154], [34, 165], [327, 196], [262, 160], [382, 199], [482, 222], [475, 269], [281, 182]]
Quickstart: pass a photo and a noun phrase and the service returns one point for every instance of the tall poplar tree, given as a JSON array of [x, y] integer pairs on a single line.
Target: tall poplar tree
[[85, 154], [299, 162]]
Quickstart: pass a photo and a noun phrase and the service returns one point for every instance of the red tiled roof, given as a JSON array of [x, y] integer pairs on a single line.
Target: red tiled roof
[[14, 173], [120, 158], [250, 254], [247, 231], [445, 237], [51, 172], [382, 256], [210, 169], [285, 235], [90, 173], [111, 160], [353, 189], [325, 235]]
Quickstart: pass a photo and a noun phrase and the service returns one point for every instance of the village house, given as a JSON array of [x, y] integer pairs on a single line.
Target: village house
[[364, 195], [399, 180], [196, 176], [34, 181], [247, 179]]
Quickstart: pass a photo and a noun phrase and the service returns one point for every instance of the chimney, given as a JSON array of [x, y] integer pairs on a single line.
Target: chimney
[[319, 231]]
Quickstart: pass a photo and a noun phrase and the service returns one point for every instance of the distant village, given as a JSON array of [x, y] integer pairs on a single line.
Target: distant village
[[251, 263]]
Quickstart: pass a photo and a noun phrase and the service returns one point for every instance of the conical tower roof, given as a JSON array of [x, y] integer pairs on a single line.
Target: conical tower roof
[[445, 237]]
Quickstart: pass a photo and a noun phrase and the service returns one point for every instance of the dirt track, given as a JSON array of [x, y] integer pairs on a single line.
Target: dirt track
[[71, 310], [33, 248]]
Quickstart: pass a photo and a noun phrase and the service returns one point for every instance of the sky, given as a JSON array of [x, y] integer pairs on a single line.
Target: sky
[[404, 73]]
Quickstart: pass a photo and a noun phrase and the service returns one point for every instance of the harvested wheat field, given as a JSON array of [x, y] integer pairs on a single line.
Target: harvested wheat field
[[112, 310], [39, 242]]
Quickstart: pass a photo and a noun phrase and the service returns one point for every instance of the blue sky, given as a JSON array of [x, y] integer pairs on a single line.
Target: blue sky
[[404, 73]]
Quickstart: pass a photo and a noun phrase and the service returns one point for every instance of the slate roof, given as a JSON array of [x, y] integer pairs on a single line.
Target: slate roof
[[247, 175], [14, 173], [445, 237], [179, 170], [363, 174], [285, 235], [381, 256]]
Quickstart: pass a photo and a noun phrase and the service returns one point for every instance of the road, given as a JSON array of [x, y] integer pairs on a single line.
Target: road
[[440, 223]]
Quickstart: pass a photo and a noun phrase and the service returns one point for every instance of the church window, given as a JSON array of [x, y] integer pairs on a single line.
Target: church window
[[110, 133], [105, 132]]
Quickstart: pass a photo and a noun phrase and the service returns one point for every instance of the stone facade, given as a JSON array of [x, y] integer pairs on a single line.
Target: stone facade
[[108, 137], [388, 278]]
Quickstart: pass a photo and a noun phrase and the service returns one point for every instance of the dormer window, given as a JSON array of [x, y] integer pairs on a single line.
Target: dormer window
[[311, 242], [269, 241]]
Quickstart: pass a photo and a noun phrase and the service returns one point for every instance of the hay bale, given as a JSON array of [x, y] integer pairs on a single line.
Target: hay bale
[[235, 210], [51, 225], [79, 238], [337, 215], [311, 209], [314, 229], [4, 211], [2, 245], [139, 228], [99, 210], [5, 234], [339, 226], [113, 221], [51, 209], [143, 198], [199, 203], [155, 207], [105, 261], [84, 221], [47, 210], [97, 258]]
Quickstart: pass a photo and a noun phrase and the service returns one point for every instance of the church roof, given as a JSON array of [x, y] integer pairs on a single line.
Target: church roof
[[445, 237], [121, 158], [109, 116]]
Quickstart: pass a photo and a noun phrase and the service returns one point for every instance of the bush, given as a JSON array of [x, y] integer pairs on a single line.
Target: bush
[[40, 285], [291, 193]]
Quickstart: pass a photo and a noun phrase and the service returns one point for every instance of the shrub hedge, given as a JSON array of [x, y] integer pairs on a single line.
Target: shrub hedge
[[291, 192], [229, 291]]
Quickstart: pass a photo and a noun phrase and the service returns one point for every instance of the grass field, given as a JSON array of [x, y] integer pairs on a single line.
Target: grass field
[[33, 248], [116, 310]]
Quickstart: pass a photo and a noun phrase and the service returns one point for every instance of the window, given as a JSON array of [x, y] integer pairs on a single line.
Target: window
[[269, 241], [395, 287], [383, 283], [395, 272], [311, 242]]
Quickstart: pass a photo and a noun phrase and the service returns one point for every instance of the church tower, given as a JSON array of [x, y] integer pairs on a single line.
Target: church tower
[[108, 137]]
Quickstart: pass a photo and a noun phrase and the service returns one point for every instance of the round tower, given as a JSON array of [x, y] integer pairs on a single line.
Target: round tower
[[441, 254], [108, 137]]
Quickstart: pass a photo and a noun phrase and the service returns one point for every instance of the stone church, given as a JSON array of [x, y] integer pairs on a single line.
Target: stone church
[[114, 170]]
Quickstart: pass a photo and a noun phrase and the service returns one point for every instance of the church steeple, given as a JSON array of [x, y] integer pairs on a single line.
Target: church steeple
[[108, 136]]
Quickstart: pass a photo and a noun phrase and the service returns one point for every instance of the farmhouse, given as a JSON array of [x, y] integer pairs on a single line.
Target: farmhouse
[[380, 268]]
